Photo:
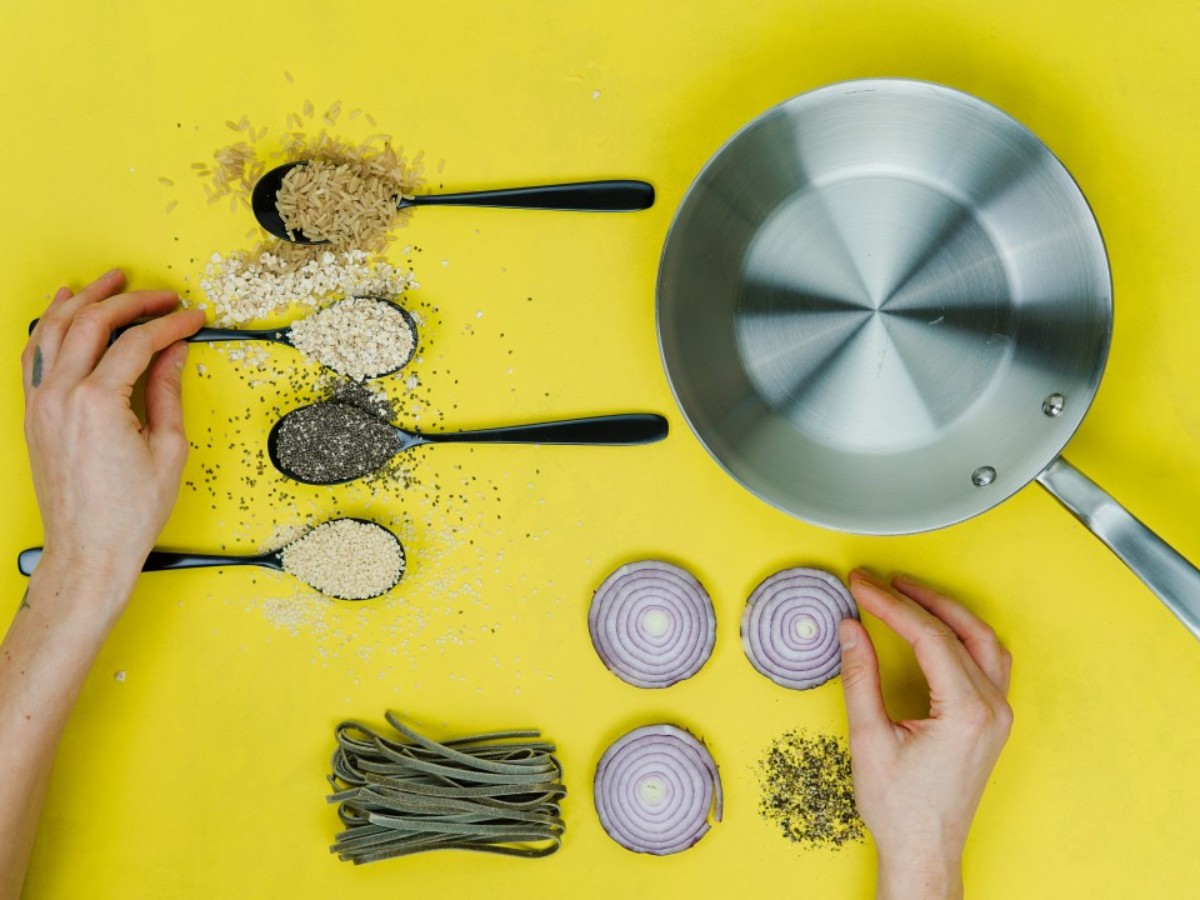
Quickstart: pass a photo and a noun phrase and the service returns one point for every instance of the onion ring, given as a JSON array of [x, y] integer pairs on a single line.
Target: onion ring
[[654, 790], [790, 627], [652, 624]]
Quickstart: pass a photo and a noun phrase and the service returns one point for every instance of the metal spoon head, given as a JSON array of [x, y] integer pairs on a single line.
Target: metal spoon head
[[262, 201], [278, 554], [403, 440], [286, 335], [412, 327]]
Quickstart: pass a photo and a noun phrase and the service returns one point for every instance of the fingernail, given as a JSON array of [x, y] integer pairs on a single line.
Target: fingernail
[[110, 273], [865, 575], [847, 634], [181, 355]]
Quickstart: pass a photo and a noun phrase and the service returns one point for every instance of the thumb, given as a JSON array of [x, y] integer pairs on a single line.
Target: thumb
[[164, 397], [860, 679]]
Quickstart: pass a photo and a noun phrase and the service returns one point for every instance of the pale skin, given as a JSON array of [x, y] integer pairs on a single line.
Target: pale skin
[[918, 783], [106, 482]]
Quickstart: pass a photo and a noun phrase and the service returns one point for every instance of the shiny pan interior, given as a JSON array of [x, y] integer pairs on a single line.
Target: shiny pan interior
[[870, 298]]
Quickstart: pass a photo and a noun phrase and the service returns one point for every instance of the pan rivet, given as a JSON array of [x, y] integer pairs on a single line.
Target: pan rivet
[[1053, 405], [983, 476]]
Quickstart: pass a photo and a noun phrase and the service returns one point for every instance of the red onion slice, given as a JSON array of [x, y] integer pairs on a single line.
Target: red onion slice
[[790, 627], [652, 624], [654, 790]]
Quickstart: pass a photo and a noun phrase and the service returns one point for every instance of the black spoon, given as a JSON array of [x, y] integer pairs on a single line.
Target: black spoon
[[617, 430], [277, 335], [585, 196], [164, 560]]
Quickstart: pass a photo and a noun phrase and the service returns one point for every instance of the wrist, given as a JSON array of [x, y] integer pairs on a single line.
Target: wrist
[[88, 593], [114, 558], [920, 876]]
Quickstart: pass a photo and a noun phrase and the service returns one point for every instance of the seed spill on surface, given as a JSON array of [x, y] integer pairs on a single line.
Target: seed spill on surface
[[807, 790], [458, 593], [244, 286]]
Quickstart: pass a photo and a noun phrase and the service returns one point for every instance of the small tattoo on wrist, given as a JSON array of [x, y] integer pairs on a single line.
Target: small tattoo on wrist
[[36, 378]]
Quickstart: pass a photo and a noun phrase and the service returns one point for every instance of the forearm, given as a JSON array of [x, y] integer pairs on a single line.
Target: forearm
[[54, 638]]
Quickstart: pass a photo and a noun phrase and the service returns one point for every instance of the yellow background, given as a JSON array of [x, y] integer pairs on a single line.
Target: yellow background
[[200, 774]]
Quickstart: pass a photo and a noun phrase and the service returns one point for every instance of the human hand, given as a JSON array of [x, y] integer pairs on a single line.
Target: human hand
[[105, 482], [918, 783]]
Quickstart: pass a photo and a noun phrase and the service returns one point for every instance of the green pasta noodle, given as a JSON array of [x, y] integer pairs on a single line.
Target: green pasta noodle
[[405, 793]]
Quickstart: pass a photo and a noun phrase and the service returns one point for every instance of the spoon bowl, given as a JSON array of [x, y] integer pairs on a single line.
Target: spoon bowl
[[624, 429], [165, 560], [262, 201], [614, 195], [284, 335]]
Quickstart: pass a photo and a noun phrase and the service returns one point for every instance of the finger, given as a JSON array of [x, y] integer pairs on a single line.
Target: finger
[[164, 404], [860, 680], [976, 635], [132, 352], [92, 327], [33, 357], [56, 320], [111, 282], [942, 658]]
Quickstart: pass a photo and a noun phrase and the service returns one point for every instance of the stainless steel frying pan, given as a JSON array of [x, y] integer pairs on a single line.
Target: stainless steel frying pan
[[884, 306]]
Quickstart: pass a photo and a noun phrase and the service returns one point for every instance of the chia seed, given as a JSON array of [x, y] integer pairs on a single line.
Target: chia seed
[[808, 791], [335, 441]]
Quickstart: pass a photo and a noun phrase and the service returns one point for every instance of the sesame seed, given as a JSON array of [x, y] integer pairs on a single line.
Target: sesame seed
[[347, 558]]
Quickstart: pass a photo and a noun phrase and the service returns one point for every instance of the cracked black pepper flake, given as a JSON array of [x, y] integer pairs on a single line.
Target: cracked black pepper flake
[[807, 790]]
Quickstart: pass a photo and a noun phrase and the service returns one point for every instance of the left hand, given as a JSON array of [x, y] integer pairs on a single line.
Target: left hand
[[105, 481]]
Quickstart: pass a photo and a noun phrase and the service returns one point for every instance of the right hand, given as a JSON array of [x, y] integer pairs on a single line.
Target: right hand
[[105, 481], [918, 783]]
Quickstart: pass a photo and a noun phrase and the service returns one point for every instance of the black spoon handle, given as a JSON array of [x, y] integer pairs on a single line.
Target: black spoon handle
[[589, 196], [205, 335], [624, 429], [161, 560]]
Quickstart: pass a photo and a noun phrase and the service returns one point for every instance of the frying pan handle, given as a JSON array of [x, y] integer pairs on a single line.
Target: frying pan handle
[[1174, 580]]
